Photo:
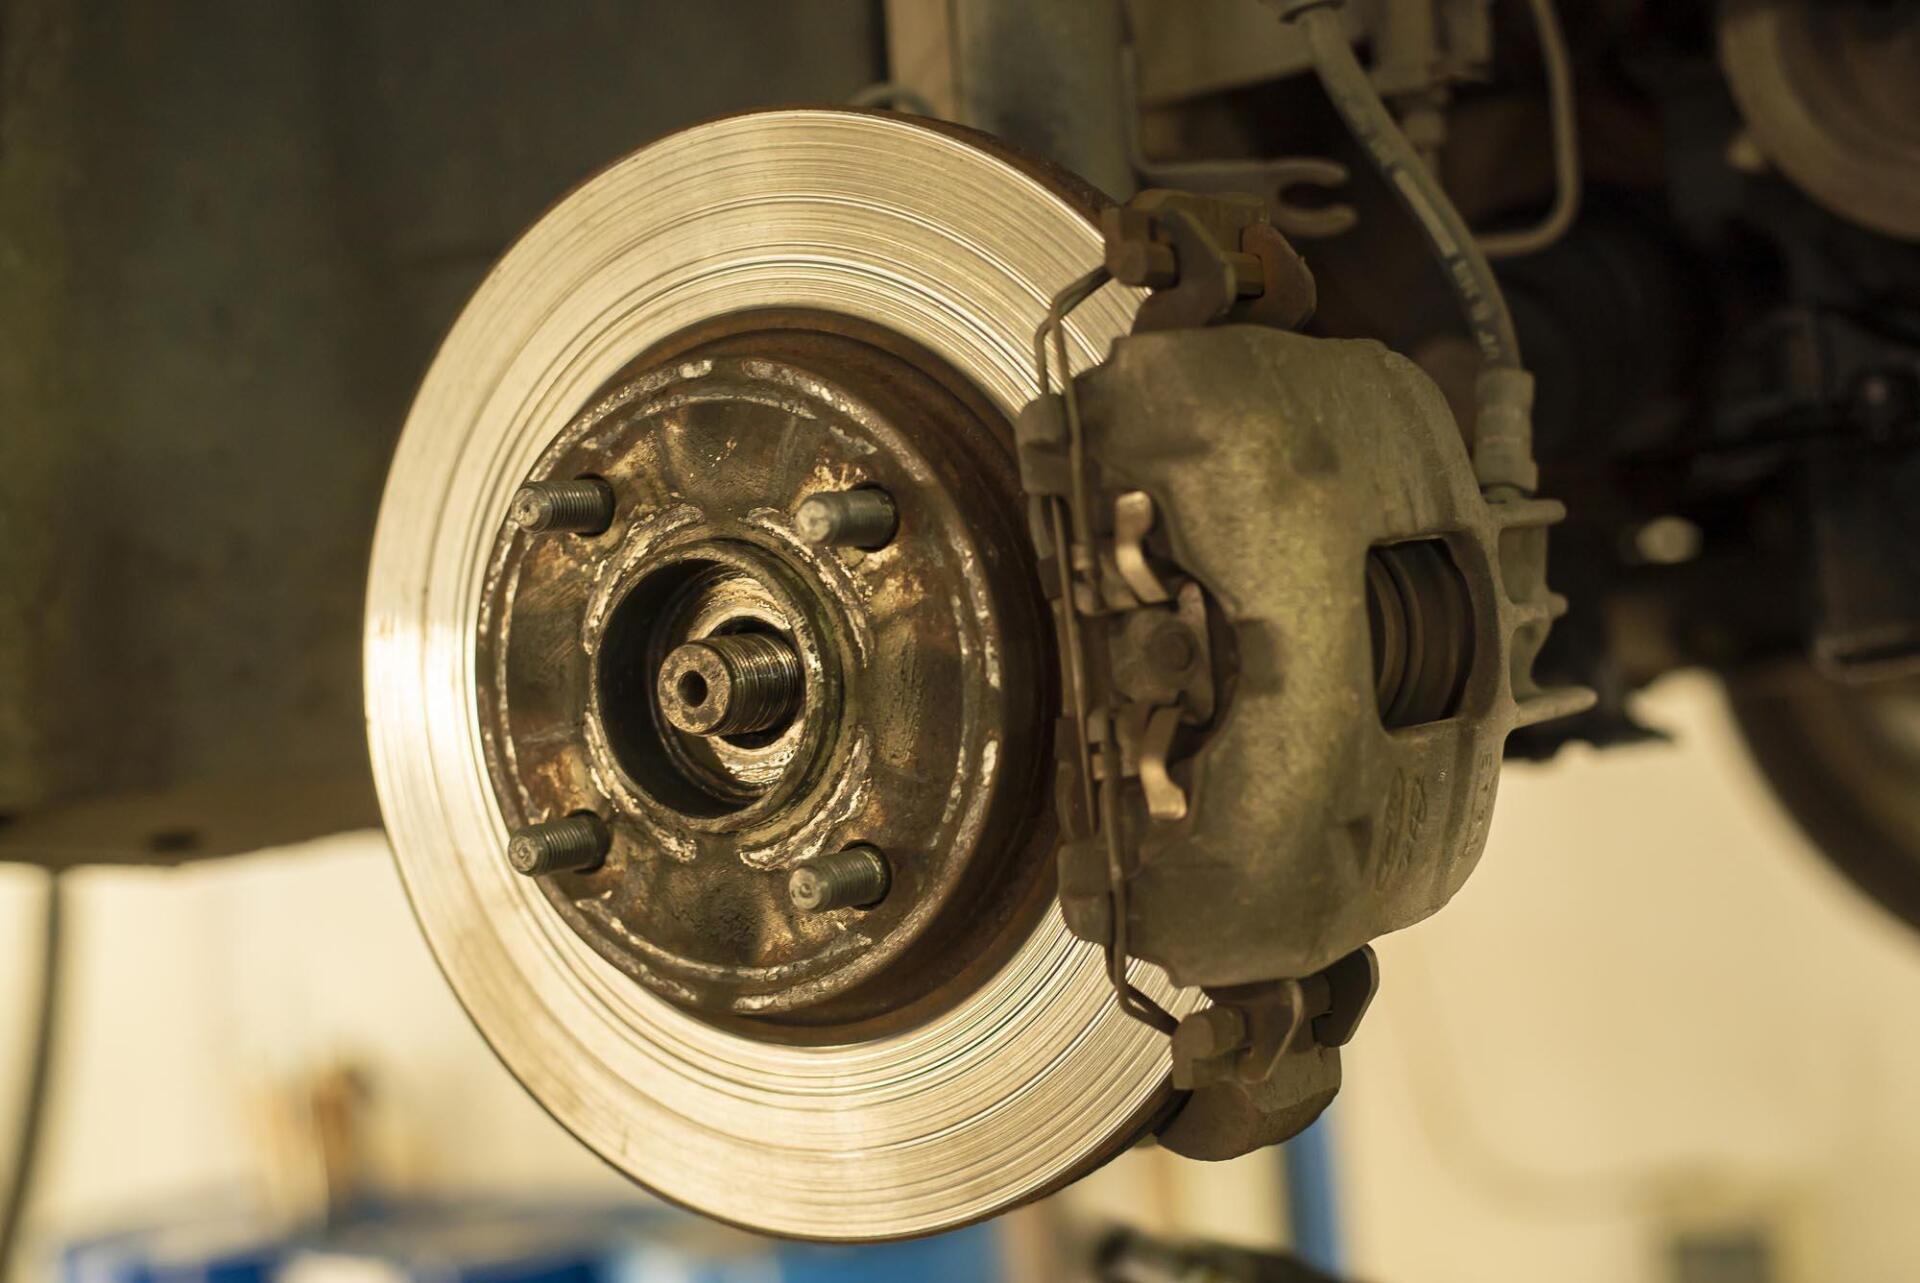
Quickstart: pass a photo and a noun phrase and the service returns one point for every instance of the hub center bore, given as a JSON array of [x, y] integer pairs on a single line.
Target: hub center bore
[[699, 687]]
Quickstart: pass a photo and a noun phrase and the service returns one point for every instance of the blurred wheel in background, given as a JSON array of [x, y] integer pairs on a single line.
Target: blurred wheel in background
[[1846, 762]]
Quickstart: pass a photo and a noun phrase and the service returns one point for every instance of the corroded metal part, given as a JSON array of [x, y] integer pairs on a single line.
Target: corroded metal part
[[729, 684], [745, 700], [856, 878], [860, 518], [948, 1111], [583, 506], [572, 842]]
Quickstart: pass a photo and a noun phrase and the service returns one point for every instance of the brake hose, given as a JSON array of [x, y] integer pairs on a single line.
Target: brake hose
[[1503, 426]]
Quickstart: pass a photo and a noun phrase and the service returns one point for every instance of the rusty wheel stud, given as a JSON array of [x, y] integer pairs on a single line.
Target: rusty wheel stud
[[576, 843], [856, 878], [859, 518], [583, 506]]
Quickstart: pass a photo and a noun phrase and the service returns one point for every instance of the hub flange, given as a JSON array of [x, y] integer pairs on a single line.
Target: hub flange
[[737, 696]]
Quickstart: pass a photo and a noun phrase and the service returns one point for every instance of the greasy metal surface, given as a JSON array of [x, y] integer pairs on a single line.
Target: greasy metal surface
[[1032, 1076], [232, 235], [1830, 94], [1313, 827], [1206, 46], [914, 716]]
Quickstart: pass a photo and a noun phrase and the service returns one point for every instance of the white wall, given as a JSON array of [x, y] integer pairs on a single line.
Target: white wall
[[1650, 1005], [196, 998]]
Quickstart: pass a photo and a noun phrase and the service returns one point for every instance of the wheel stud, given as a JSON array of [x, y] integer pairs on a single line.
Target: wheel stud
[[856, 878], [577, 843], [860, 518], [583, 506]]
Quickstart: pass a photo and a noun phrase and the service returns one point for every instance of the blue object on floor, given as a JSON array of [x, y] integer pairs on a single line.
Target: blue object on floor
[[220, 1249], [970, 1255], [1311, 1210], [502, 1242]]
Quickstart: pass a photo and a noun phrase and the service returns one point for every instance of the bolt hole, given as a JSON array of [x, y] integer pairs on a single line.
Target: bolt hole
[[692, 689]]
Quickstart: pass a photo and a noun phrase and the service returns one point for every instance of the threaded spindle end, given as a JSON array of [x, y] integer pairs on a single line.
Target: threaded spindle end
[[730, 684]]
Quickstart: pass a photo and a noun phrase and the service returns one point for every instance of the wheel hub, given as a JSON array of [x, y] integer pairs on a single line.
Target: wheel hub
[[737, 693]]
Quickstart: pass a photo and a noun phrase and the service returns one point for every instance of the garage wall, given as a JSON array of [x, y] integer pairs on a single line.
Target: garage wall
[[1653, 1013]]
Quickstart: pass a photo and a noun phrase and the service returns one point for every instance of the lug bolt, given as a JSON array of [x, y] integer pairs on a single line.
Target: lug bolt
[[576, 843], [583, 506], [860, 518], [856, 878], [729, 684]]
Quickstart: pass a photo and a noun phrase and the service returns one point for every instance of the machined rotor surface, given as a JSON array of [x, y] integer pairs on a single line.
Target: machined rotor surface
[[983, 1085]]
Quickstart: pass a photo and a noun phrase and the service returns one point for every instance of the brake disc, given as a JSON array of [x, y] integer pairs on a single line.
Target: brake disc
[[697, 340]]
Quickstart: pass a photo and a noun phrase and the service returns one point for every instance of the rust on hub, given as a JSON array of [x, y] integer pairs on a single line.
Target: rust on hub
[[743, 696]]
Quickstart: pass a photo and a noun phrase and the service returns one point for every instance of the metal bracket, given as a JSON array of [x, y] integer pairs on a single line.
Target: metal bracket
[[1055, 471], [1266, 1021], [1132, 521], [1272, 179], [1208, 259], [1263, 1061], [1137, 672]]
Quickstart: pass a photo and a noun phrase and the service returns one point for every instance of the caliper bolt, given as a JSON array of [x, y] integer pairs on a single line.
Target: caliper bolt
[[1203, 1044], [1210, 1032], [575, 843], [859, 518], [856, 878], [583, 506], [730, 684], [1172, 650]]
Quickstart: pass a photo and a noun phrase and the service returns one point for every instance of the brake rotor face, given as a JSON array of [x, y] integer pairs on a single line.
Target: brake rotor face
[[739, 315]]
